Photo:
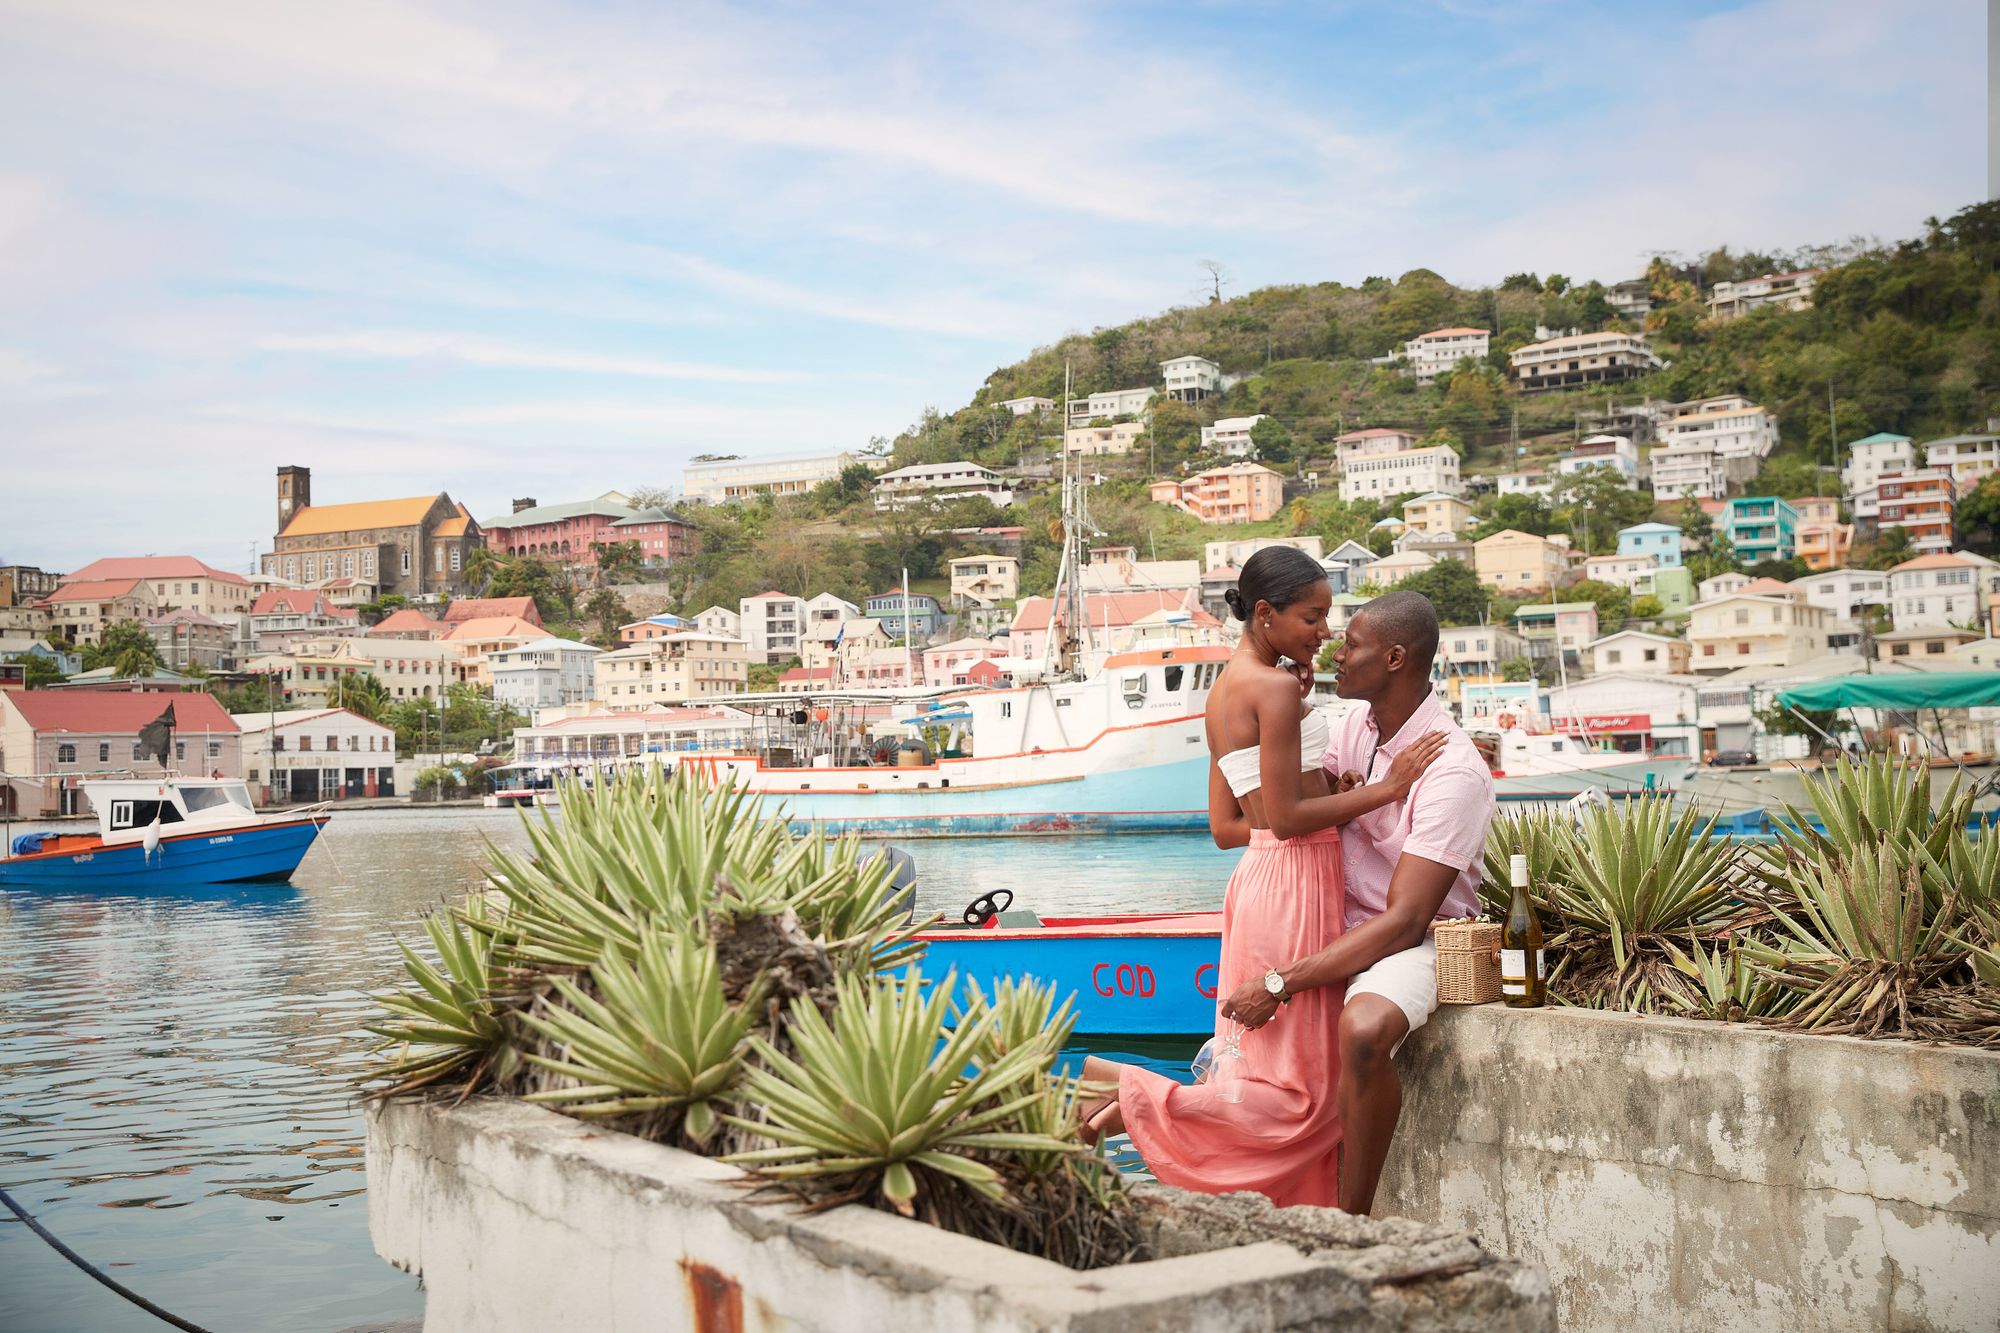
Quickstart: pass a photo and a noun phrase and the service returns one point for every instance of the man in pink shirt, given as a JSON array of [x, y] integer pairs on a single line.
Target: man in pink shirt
[[1407, 864]]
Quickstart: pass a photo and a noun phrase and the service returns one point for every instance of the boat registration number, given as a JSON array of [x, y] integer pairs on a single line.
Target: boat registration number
[[215, 842]]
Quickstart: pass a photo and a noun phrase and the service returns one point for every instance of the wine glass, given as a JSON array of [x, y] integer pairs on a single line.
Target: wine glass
[[1229, 1068]]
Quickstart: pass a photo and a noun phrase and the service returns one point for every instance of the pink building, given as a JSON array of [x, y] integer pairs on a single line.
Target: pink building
[[948, 663], [569, 534], [63, 736]]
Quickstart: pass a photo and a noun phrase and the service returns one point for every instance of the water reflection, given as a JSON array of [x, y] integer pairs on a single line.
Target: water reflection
[[176, 1067]]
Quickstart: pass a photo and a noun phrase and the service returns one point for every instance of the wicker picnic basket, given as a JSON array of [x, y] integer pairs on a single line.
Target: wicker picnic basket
[[1468, 961]]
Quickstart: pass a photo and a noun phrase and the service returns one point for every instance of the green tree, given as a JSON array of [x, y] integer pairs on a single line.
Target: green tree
[[1517, 669], [1613, 602], [1272, 441], [608, 609], [1892, 548], [361, 692], [1979, 516], [1523, 513], [482, 566], [42, 671], [127, 648], [1452, 587], [1647, 607], [618, 560]]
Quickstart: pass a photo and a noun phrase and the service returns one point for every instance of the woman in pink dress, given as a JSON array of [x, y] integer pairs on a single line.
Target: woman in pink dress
[[1275, 1128]]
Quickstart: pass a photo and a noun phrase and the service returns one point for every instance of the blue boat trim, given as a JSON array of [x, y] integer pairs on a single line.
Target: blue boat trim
[[257, 853]]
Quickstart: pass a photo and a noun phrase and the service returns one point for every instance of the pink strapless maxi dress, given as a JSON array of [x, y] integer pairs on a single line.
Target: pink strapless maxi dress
[[1285, 900]]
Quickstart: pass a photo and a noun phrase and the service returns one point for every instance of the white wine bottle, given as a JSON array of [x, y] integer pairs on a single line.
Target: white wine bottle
[[1523, 967]]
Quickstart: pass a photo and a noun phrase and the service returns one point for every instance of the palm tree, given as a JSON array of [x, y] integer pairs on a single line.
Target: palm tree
[[482, 566], [362, 693]]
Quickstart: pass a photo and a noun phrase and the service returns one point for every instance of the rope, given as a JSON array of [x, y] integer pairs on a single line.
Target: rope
[[85, 1264]]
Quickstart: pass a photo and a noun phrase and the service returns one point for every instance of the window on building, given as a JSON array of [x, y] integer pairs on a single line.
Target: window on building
[[406, 558], [305, 743], [138, 751], [1934, 646], [65, 754], [180, 750]]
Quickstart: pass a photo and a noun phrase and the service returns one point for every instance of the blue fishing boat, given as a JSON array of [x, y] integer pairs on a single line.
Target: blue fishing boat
[[161, 834], [1150, 975]]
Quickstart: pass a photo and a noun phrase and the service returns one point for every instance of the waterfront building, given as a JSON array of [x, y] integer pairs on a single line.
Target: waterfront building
[[542, 673], [414, 546], [1109, 620], [1616, 453], [1786, 291], [1871, 457], [1516, 562], [1436, 513], [1635, 708], [949, 663], [1533, 481], [931, 484], [676, 669], [1928, 644], [720, 620], [1413, 471], [773, 624], [1110, 405], [1029, 407], [1923, 503], [80, 611], [1118, 437], [1582, 358], [310, 670], [189, 638], [1968, 459], [477, 640], [1230, 436], [1429, 357], [916, 613], [51, 739], [1756, 629], [1979, 655], [1936, 590], [727, 480], [178, 582], [984, 580], [1638, 651], [1761, 527], [1119, 569], [1661, 541], [1238, 493], [588, 736], [1732, 425], [303, 755], [1568, 626], [1189, 379]]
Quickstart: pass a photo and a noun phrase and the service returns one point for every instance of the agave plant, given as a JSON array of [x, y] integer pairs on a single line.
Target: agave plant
[[1876, 801], [1632, 880], [1538, 835], [1871, 954], [885, 1103], [1731, 989], [451, 1027], [657, 1037]]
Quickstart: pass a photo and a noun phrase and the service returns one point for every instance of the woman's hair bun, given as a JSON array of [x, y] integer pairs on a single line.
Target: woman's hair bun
[[1233, 599]]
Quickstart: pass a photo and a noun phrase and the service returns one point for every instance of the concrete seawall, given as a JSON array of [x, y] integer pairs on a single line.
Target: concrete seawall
[[1679, 1174]]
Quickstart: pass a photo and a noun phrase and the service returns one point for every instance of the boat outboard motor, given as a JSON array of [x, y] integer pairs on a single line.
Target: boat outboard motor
[[902, 887]]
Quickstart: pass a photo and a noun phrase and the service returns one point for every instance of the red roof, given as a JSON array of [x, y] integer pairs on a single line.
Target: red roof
[[93, 590], [486, 608], [807, 673], [1112, 610], [117, 712], [984, 672], [766, 596], [1767, 588], [289, 601], [153, 567], [1937, 561], [408, 620]]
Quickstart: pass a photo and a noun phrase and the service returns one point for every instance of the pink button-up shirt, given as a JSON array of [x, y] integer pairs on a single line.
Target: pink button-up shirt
[[1443, 819]]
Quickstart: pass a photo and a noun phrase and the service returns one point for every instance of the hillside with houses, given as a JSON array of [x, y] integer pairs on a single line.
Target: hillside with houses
[[1648, 499]]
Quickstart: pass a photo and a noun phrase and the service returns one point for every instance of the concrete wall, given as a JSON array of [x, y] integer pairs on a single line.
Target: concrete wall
[[520, 1219], [1677, 1174]]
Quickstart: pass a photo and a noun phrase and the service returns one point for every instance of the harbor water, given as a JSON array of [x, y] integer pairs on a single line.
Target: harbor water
[[177, 1101]]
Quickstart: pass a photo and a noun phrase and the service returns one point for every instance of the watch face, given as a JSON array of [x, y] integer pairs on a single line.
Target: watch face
[[1273, 982]]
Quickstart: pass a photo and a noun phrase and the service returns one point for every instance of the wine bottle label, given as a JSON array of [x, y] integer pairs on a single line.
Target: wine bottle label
[[1514, 970]]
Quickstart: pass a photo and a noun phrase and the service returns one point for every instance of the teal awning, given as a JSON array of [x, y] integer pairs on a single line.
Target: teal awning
[[1928, 689]]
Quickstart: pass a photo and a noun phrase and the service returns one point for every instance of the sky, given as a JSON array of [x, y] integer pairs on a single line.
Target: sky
[[508, 248]]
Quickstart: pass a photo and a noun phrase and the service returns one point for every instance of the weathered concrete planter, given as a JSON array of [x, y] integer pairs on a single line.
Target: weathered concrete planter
[[1677, 1174], [518, 1218]]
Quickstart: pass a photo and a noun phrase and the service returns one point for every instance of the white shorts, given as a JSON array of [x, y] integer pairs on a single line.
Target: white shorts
[[1408, 980]]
